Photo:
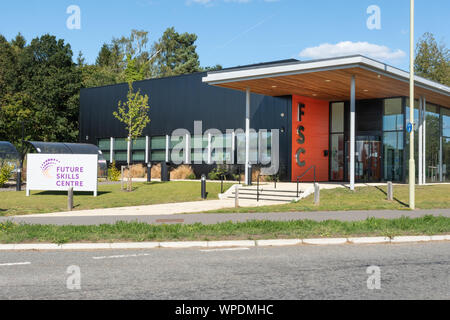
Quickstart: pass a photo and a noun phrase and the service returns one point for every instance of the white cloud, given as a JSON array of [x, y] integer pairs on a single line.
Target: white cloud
[[346, 48]]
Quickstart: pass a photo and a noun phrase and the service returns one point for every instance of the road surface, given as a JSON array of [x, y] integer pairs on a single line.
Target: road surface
[[410, 271]]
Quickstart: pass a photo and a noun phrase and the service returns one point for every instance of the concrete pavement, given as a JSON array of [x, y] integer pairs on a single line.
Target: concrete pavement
[[211, 218], [407, 271]]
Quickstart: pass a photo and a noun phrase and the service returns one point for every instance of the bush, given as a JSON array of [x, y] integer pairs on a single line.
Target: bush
[[181, 173], [192, 176], [6, 171], [113, 172], [217, 173], [137, 171], [156, 171]]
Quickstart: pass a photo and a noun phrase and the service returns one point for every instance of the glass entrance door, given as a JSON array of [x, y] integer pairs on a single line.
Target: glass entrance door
[[367, 158]]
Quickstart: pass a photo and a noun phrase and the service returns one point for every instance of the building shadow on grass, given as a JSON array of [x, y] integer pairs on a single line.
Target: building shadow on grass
[[395, 199]]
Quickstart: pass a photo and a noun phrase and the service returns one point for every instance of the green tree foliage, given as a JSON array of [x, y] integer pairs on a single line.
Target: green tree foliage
[[134, 112], [6, 171], [39, 90], [134, 115], [432, 60], [128, 58], [176, 54]]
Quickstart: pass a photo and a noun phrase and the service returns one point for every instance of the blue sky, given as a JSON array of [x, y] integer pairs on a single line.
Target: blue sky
[[238, 32]]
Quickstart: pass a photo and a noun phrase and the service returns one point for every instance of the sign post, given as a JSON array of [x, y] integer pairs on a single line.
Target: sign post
[[61, 172]]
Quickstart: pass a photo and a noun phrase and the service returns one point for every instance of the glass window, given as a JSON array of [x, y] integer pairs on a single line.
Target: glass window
[[139, 156], [120, 144], [393, 156], [120, 156], [241, 147], [432, 143], [393, 116], [158, 143], [445, 122], [337, 157], [446, 159], [139, 143], [158, 156], [106, 155], [337, 120], [104, 144]]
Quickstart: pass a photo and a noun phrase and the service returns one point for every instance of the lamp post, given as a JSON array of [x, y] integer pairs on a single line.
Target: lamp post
[[412, 165]]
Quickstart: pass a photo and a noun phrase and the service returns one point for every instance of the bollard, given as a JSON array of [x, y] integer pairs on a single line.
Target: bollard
[[19, 180], [121, 178], [390, 191], [70, 199], [203, 187], [316, 194], [165, 174], [249, 178], [236, 197], [149, 172]]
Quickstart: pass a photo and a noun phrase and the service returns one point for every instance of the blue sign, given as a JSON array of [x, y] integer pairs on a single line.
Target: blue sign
[[409, 127]]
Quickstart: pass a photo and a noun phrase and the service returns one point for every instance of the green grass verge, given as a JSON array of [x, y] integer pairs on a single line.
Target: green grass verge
[[364, 198], [122, 231], [109, 196]]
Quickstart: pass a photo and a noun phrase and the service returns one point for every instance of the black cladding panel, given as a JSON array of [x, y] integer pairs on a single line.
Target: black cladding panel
[[176, 102]]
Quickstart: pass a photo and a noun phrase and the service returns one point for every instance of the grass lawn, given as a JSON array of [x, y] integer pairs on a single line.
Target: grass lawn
[[364, 198], [122, 231], [109, 196]]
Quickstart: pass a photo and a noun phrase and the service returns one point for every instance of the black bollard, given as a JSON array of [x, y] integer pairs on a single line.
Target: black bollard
[[19, 180], [165, 175], [203, 186], [149, 172]]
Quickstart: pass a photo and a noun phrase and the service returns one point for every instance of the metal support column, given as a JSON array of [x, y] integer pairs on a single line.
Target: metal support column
[[352, 132], [247, 137]]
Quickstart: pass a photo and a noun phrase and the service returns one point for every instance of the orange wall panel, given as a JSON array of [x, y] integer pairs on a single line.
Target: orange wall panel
[[313, 139]]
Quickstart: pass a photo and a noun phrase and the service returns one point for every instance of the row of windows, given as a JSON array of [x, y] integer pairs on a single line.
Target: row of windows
[[221, 148]]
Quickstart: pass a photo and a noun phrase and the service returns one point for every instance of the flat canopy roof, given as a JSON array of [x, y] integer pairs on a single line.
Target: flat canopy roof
[[329, 79]]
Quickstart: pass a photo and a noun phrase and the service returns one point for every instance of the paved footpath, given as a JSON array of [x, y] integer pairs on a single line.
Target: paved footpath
[[211, 218]]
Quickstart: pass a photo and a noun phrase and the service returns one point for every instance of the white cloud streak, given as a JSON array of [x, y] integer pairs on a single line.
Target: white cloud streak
[[346, 48]]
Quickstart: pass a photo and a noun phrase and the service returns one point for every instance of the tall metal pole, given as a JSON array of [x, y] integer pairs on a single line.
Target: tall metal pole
[[247, 137], [412, 165], [352, 132]]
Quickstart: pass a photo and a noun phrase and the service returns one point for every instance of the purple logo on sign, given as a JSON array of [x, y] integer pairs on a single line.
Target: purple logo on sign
[[47, 165]]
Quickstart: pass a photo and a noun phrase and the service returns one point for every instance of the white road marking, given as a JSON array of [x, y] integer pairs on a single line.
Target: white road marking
[[14, 264], [229, 249], [122, 256]]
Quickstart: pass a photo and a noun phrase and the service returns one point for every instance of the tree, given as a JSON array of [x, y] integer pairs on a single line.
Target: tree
[[217, 67], [81, 61], [134, 115], [432, 59], [50, 84], [176, 54], [96, 76]]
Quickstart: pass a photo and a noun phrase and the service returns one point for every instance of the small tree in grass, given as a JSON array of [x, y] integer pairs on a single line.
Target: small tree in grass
[[134, 114]]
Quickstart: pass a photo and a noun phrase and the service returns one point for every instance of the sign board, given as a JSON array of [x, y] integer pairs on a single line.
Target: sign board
[[409, 127], [60, 172]]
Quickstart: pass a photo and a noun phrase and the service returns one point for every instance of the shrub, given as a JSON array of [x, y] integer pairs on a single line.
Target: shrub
[[113, 172], [217, 173], [192, 176], [182, 173], [156, 171], [137, 171], [6, 171]]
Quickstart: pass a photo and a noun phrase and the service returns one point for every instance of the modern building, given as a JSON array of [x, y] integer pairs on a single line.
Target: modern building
[[324, 110]]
